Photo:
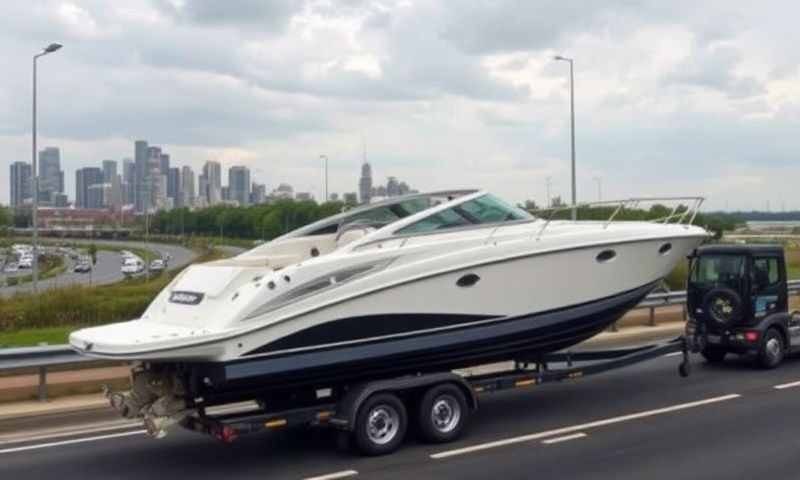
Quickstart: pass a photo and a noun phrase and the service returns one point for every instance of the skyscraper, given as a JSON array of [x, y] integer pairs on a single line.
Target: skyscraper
[[187, 187], [20, 179], [174, 186], [128, 181], [85, 178], [239, 185], [51, 177], [365, 183], [213, 173], [109, 170], [140, 191]]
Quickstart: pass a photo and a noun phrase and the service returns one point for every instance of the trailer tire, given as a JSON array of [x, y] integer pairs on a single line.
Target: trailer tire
[[443, 413], [381, 425]]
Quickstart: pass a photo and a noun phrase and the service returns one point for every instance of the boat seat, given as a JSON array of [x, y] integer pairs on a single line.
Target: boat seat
[[353, 235]]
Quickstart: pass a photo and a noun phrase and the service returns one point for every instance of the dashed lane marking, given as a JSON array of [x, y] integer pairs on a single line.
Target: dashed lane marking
[[71, 442], [335, 475], [585, 426], [565, 438]]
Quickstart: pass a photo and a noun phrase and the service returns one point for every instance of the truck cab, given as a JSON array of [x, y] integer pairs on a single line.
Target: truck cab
[[737, 301]]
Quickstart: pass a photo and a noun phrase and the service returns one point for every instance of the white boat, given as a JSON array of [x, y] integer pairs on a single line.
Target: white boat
[[412, 284]]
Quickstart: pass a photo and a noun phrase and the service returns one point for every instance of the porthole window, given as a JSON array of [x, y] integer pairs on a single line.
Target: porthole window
[[606, 256], [665, 249]]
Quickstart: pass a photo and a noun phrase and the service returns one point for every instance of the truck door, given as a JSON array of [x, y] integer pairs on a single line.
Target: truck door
[[768, 287]]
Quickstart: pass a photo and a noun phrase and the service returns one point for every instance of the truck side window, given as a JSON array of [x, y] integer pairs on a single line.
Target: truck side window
[[765, 272]]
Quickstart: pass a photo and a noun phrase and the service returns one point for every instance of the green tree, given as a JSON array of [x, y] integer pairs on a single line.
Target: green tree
[[93, 253]]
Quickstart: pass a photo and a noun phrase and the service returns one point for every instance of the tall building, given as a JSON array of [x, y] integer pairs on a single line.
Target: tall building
[[174, 186], [21, 187], [365, 183], [84, 179], [156, 181], [212, 171], [128, 181], [239, 185], [259, 194], [109, 170], [140, 190], [164, 159], [187, 187], [51, 177]]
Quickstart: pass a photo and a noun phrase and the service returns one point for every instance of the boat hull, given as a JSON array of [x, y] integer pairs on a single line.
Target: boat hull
[[475, 341]]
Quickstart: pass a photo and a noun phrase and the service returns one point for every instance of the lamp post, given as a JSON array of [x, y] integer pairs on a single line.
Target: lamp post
[[599, 188], [572, 127], [548, 182], [34, 216], [326, 177]]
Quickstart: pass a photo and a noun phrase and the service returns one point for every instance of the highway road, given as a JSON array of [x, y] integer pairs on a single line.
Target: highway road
[[644, 422], [107, 270]]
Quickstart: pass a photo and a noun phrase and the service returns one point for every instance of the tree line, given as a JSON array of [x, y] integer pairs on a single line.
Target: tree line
[[265, 221]]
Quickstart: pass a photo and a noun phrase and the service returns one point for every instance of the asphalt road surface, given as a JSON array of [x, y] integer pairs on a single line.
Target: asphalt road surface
[[107, 270], [643, 422]]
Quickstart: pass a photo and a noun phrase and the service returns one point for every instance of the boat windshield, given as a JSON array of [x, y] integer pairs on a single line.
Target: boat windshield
[[486, 209], [390, 213]]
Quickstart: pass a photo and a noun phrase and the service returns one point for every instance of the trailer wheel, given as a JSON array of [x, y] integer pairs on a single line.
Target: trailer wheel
[[443, 413], [381, 424], [772, 349]]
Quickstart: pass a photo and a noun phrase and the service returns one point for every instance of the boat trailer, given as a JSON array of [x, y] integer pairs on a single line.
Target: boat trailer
[[450, 397]]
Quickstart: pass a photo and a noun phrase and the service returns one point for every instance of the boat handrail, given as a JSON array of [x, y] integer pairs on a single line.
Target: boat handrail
[[690, 210]]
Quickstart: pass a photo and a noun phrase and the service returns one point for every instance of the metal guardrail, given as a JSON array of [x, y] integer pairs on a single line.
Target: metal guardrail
[[45, 356]]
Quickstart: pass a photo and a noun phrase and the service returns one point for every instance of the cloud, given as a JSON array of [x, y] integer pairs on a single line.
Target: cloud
[[444, 96]]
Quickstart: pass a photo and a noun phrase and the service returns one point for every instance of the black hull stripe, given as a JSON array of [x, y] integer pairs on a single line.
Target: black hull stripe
[[527, 335]]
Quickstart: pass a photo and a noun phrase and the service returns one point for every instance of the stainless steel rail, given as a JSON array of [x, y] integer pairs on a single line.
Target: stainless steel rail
[[45, 356], [684, 213]]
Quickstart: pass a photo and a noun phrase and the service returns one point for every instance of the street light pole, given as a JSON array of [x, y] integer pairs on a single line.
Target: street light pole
[[326, 177], [572, 128], [548, 182], [35, 214]]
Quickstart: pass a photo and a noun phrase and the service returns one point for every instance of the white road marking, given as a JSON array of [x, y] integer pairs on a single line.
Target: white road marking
[[673, 354], [71, 442], [565, 438], [68, 433], [787, 385], [585, 426], [335, 475]]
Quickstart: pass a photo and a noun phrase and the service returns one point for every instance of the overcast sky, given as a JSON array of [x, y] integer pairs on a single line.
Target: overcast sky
[[695, 98]]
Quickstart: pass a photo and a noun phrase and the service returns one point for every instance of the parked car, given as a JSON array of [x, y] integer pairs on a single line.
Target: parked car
[[157, 265], [26, 262], [82, 267], [132, 266], [11, 267]]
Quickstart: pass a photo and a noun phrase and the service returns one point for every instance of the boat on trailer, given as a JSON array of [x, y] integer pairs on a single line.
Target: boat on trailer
[[411, 285]]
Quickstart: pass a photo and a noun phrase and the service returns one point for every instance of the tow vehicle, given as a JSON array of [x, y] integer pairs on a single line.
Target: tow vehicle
[[737, 301], [375, 415]]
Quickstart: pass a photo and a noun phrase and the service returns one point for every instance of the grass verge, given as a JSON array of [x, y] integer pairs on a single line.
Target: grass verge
[[64, 309]]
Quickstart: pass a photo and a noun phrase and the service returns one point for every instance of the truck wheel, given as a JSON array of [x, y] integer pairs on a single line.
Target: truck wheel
[[380, 425], [713, 354], [772, 349], [443, 413]]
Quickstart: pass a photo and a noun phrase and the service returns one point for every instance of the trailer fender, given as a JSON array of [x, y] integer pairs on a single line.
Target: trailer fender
[[348, 406]]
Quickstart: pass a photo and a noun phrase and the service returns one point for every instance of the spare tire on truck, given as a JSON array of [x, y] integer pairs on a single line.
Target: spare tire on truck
[[723, 307]]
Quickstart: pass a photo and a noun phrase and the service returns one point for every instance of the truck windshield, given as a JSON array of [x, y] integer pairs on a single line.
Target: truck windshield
[[718, 270]]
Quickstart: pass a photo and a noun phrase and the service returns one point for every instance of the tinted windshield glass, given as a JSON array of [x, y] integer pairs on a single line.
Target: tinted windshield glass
[[490, 209], [485, 209], [718, 269]]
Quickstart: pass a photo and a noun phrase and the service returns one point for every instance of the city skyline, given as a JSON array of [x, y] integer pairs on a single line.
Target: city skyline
[[445, 97], [150, 182]]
